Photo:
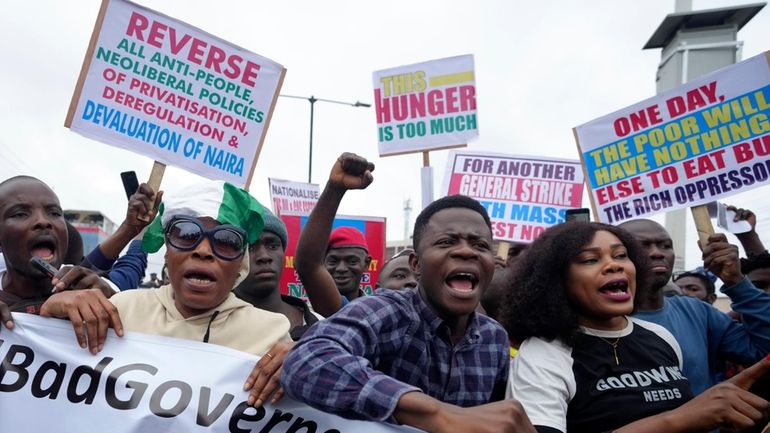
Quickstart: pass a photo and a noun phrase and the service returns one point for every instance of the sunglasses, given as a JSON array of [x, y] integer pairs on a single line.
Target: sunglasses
[[227, 242]]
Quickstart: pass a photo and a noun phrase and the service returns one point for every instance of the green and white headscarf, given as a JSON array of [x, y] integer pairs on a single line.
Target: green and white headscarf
[[217, 199]]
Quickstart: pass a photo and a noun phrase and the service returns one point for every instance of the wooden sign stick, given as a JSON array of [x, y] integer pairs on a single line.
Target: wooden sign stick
[[156, 176], [702, 223], [502, 249]]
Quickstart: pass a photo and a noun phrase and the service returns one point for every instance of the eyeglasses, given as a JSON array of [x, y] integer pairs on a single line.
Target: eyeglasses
[[228, 242]]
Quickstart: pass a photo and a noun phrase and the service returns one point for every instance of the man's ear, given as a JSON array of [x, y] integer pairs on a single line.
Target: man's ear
[[367, 262], [414, 264]]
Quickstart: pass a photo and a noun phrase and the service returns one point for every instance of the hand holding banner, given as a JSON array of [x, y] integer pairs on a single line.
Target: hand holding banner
[[139, 383]]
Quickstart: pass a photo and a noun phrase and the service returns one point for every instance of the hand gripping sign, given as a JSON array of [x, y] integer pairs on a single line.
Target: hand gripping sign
[[139, 383]]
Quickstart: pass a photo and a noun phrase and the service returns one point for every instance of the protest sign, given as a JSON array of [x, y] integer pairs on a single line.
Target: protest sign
[[159, 87], [523, 195], [689, 146], [426, 106], [139, 383], [373, 229], [293, 198]]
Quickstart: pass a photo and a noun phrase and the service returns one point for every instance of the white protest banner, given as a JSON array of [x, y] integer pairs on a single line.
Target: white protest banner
[[523, 195], [139, 383], [689, 146], [426, 106], [293, 198], [159, 87]]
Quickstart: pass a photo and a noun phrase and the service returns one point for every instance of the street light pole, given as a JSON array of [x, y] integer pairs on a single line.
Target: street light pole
[[312, 99]]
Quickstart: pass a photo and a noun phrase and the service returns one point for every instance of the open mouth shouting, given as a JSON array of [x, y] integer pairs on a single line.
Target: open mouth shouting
[[43, 247], [616, 290], [200, 279], [462, 284]]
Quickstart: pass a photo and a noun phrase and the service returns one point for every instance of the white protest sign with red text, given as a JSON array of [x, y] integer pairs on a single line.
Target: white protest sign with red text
[[159, 87], [426, 106], [293, 198], [523, 195], [707, 139]]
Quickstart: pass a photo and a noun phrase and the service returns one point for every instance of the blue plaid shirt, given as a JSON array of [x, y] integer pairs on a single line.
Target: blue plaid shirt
[[360, 361]]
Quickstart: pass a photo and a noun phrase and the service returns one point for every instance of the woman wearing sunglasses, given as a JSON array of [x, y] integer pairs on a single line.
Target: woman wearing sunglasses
[[585, 365], [206, 229]]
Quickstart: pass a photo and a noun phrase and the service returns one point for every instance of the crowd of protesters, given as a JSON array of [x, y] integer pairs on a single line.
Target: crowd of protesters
[[587, 329]]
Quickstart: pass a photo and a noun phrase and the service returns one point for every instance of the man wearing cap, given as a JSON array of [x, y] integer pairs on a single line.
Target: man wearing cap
[[697, 284], [261, 287], [347, 258], [330, 266]]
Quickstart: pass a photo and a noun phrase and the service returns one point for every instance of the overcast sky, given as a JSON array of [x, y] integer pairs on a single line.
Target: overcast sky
[[542, 67]]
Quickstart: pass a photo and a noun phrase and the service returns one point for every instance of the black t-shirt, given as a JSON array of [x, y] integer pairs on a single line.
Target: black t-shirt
[[584, 388]]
